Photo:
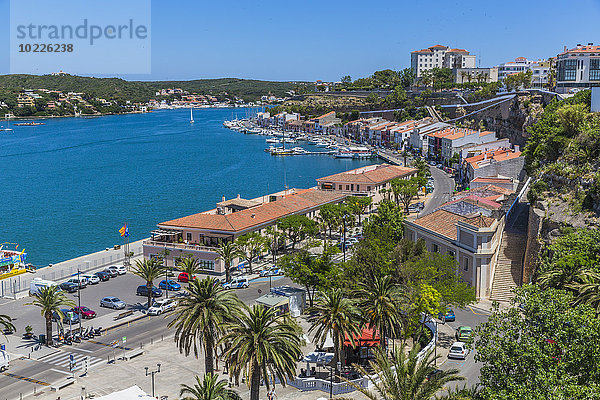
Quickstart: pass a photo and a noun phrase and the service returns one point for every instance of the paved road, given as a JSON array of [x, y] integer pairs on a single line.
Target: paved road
[[468, 368], [443, 189], [26, 375]]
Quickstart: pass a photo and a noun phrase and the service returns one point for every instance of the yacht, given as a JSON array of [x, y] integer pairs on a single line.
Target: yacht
[[273, 140]]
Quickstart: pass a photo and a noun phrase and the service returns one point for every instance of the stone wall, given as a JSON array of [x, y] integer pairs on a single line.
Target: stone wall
[[534, 243]]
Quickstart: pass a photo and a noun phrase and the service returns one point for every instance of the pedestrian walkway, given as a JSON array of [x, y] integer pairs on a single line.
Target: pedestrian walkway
[[63, 359]]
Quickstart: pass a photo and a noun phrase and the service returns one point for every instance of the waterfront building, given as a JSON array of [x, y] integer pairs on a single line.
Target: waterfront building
[[419, 136], [325, 121], [200, 234], [439, 56], [467, 228], [578, 68], [365, 181], [461, 137]]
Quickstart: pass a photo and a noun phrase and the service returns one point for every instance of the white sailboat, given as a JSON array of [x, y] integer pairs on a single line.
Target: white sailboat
[[191, 116], [8, 128]]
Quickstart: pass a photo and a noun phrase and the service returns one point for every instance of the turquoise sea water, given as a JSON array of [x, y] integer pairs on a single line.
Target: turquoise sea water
[[68, 186]]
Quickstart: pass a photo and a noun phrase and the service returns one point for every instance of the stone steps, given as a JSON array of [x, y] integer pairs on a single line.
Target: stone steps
[[509, 265]]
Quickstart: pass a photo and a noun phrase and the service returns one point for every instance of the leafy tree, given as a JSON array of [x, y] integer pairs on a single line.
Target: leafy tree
[[407, 77], [359, 205], [312, 272], [251, 245], [228, 251], [273, 239], [385, 78], [50, 300], [455, 159], [331, 216], [540, 347], [200, 318], [297, 228], [346, 80], [336, 315], [373, 98], [260, 342], [387, 222], [405, 376], [404, 190], [210, 388], [148, 270]]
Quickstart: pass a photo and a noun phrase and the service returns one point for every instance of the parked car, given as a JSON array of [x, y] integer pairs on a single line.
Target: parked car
[[161, 306], [184, 277], [458, 350], [273, 271], [142, 290], [169, 285], [448, 316], [440, 166], [111, 272], [464, 333], [121, 270], [241, 282], [81, 281], [352, 240], [67, 317], [266, 271], [69, 287], [84, 312], [112, 302], [103, 276], [92, 279]]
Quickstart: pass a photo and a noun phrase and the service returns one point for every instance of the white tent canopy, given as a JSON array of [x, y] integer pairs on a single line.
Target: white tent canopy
[[132, 393]]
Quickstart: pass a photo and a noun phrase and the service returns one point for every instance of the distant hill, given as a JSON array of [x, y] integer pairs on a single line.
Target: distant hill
[[116, 88]]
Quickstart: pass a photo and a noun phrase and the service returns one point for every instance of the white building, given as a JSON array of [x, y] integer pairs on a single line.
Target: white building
[[439, 56], [578, 68], [540, 70]]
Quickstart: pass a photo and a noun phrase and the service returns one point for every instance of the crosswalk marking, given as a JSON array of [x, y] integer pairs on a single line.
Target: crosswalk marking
[[63, 359]]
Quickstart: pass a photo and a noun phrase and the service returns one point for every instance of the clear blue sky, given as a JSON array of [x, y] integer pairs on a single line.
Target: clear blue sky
[[310, 40]]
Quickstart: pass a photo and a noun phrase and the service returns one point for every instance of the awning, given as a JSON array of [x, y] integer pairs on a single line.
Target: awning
[[318, 357], [166, 232], [366, 338]]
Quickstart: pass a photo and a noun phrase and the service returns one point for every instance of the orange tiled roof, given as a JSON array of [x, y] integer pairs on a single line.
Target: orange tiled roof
[[582, 49], [491, 180], [372, 174], [444, 222], [325, 115], [254, 216], [496, 155]]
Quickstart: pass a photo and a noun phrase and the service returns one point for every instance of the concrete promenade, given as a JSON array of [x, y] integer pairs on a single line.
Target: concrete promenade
[[18, 286]]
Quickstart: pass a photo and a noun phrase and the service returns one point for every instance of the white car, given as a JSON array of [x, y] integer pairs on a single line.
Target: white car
[[161, 306], [237, 283], [120, 269], [458, 350], [92, 279]]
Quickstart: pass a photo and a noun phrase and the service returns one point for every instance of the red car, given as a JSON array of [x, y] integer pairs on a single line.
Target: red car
[[84, 312], [184, 277]]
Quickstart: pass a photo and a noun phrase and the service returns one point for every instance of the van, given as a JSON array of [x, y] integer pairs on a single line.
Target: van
[[38, 283], [241, 282], [81, 281]]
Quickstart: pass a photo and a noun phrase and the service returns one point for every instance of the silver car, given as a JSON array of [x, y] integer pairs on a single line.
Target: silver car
[[112, 302], [458, 350]]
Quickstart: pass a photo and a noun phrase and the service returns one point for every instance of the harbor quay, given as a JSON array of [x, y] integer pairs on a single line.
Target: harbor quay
[[18, 286]]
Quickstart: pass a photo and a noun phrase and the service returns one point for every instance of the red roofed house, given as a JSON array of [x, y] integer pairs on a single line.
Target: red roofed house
[[463, 137], [578, 68], [200, 234], [469, 229], [502, 162], [439, 56], [326, 121], [365, 181]]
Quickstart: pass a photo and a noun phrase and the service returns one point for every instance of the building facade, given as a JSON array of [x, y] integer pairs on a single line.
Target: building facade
[[578, 68], [439, 56]]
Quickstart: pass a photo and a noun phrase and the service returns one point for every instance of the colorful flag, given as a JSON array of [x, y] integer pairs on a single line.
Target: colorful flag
[[124, 231]]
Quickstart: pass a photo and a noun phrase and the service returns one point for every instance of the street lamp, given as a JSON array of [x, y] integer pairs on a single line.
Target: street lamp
[[338, 367], [79, 300], [152, 373], [344, 236]]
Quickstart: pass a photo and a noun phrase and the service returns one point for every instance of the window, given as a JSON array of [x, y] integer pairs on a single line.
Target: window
[[451, 253], [465, 263], [347, 187], [368, 187], [340, 187], [435, 248], [567, 70], [207, 265], [595, 69], [188, 237]]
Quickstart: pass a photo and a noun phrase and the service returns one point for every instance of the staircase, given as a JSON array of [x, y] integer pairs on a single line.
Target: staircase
[[509, 266]]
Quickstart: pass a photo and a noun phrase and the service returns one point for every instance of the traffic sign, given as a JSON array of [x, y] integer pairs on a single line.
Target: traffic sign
[[124, 339]]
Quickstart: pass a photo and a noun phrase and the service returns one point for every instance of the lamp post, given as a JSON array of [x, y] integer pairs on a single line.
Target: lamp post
[[152, 374], [344, 235], [338, 367], [435, 336], [79, 299]]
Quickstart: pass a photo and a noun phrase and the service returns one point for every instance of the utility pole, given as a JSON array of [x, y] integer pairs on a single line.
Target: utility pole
[[152, 374]]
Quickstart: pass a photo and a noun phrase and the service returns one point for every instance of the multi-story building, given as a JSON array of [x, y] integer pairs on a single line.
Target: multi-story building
[[467, 228], [578, 68], [439, 56], [540, 70], [480, 75], [325, 121], [365, 181], [505, 162], [462, 137]]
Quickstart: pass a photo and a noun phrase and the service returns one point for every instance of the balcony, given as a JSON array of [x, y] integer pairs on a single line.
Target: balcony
[[179, 246]]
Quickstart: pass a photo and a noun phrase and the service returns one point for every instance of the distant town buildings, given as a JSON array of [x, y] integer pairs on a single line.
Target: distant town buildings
[[439, 56], [479, 75], [540, 70], [578, 68]]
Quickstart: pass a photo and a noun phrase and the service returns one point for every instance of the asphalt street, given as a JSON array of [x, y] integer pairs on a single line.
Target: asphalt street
[[28, 375], [442, 190]]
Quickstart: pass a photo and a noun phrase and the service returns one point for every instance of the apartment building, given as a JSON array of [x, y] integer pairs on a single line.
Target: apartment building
[[440, 56], [578, 68], [505, 162], [540, 70], [462, 137]]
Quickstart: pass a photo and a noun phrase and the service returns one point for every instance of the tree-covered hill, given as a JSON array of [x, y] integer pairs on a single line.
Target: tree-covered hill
[[120, 89]]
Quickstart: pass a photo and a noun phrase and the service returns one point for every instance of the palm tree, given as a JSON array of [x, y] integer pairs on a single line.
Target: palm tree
[[333, 314], [380, 301], [190, 265], [588, 290], [405, 377], [6, 323], [50, 300], [201, 317], [228, 251], [464, 393], [463, 75], [259, 343], [210, 388], [148, 270]]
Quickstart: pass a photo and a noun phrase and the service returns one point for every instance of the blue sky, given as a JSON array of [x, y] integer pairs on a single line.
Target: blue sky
[[310, 40]]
